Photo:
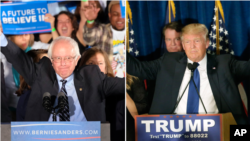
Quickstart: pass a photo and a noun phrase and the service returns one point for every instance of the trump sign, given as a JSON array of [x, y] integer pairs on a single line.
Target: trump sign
[[191, 127]]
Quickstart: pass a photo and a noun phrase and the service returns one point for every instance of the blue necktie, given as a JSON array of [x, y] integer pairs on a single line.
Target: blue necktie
[[193, 97]]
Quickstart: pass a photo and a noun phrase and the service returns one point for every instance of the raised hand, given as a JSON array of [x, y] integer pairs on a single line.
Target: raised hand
[[50, 19]]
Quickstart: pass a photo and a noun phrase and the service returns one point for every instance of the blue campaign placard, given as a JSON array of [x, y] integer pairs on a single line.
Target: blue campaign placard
[[122, 5], [72, 9], [24, 17], [55, 1], [41, 131], [189, 127]]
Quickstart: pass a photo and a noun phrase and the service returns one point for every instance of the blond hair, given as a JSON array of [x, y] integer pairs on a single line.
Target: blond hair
[[195, 28], [31, 41]]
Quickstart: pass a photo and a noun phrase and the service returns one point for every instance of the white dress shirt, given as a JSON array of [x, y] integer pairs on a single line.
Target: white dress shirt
[[205, 91]]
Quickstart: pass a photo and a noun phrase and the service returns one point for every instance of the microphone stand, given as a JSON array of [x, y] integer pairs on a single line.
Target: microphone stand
[[181, 96], [191, 78], [54, 113], [198, 94]]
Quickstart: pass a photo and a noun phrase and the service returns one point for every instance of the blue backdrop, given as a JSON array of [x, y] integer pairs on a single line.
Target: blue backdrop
[[149, 19]]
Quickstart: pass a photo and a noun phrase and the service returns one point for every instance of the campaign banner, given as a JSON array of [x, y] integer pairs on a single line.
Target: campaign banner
[[24, 17], [190, 127], [72, 9], [47, 1], [56, 1], [122, 5], [23, 0], [41, 131]]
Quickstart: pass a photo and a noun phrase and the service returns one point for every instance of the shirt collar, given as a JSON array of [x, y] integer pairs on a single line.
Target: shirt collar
[[202, 63], [116, 31], [69, 79]]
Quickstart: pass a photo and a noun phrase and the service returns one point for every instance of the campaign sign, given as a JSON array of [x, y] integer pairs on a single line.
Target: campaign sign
[[24, 17], [23, 0], [55, 1], [72, 9], [122, 5], [190, 127], [41, 131]]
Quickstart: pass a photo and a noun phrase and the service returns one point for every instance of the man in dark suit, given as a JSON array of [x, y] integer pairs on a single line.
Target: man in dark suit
[[5, 115], [85, 88], [218, 76]]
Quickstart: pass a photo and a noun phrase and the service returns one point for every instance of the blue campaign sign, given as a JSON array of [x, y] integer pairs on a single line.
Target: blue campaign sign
[[72, 9], [122, 5], [23, 0], [190, 127], [56, 1], [24, 17], [41, 131]]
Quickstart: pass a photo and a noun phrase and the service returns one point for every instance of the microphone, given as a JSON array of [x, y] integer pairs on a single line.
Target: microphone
[[61, 100], [191, 67], [47, 101]]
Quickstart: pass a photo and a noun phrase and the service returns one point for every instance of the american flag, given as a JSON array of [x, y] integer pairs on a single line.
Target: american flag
[[131, 42], [219, 43], [170, 17]]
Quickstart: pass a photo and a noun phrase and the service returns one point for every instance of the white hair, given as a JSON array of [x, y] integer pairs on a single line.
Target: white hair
[[67, 39]]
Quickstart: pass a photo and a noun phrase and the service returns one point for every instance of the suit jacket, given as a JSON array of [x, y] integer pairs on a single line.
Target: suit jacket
[[5, 115], [224, 73], [91, 85]]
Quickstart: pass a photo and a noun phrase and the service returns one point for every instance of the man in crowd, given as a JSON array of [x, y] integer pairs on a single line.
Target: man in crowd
[[110, 37], [216, 78], [172, 36], [85, 89]]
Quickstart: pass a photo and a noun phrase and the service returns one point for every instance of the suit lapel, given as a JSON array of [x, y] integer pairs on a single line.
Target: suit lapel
[[213, 79], [180, 68], [79, 86]]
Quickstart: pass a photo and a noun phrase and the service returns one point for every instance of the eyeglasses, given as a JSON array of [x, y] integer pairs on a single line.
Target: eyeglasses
[[66, 22], [66, 59]]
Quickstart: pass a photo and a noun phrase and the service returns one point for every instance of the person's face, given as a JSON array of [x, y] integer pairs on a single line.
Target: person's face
[[99, 60], [173, 40], [115, 17], [63, 68], [195, 46], [22, 41], [64, 25]]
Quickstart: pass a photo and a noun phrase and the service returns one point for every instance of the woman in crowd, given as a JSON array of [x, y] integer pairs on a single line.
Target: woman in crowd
[[64, 24], [24, 89], [136, 102], [115, 106], [11, 76]]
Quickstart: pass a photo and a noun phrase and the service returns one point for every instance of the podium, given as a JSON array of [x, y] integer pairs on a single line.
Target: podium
[[6, 132], [186, 127]]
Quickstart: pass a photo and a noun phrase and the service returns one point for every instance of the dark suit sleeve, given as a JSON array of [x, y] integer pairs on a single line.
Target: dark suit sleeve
[[4, 110], [143, 70], [241, 69], [111, 85], [20, 61]]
